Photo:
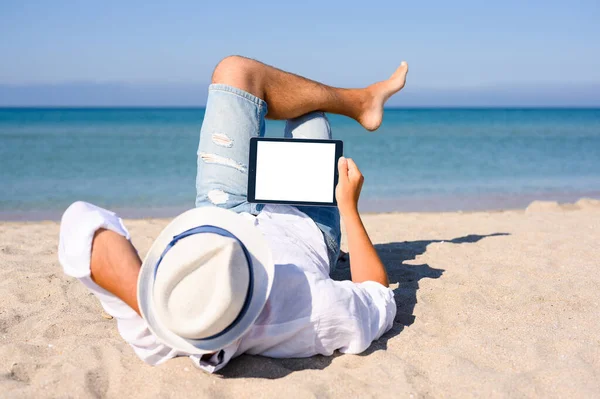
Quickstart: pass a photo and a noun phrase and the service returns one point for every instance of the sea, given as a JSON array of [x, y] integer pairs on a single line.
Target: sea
[[141, 162]]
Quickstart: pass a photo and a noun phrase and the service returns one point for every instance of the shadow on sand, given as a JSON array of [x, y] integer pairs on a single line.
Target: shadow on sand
[[393, 255]]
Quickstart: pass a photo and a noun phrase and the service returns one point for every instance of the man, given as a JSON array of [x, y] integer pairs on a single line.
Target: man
[[231, 277]]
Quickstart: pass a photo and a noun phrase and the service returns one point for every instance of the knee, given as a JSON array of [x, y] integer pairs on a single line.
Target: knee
[[313, 125], [240, 72], [231, 68]]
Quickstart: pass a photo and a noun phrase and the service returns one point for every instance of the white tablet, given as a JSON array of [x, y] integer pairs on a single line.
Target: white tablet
[[293, 171]]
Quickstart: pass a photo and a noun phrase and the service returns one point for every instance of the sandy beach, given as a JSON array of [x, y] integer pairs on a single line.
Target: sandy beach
[[490, 304]]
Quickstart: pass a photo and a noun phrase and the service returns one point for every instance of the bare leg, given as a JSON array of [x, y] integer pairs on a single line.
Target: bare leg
[[289, 96]]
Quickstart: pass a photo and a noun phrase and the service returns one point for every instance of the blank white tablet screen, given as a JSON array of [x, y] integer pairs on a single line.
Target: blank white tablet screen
[[288, 171]]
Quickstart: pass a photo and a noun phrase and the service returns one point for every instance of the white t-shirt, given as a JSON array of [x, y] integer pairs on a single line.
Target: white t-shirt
[[307, 313]]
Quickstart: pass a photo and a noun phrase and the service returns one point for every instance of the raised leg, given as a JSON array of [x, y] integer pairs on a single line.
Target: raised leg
[[289, 96], [245, 92], [231, 118]]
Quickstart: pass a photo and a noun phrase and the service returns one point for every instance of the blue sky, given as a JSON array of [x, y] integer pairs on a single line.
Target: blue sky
[[162, 53]]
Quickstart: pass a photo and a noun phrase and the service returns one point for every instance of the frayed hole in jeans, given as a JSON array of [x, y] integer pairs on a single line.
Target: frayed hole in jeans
[[218, 159], [217, 197], [222, 140]]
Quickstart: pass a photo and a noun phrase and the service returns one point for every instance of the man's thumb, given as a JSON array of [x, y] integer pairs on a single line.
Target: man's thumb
[[343, 168]]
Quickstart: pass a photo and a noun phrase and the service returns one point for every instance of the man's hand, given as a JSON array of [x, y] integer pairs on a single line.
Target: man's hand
[[365, 264], [349, 185]]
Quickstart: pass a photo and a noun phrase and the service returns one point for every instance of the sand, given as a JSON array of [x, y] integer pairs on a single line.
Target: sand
[[490, 304]]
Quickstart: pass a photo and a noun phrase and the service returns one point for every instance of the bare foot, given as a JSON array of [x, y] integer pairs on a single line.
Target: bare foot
[[378, 94]]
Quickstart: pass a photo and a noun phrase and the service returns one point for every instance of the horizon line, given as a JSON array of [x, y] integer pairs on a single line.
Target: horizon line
[[393, 107]]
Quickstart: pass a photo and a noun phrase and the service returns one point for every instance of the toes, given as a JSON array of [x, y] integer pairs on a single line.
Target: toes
[[401, 71]]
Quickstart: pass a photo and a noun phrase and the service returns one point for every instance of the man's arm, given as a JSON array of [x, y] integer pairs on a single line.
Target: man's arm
[[115, 266], [365, 264]]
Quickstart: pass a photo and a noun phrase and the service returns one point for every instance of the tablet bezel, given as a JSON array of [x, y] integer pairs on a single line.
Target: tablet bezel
[[339, 150]]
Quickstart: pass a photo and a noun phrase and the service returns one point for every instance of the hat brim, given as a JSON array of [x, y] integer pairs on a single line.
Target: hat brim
[[262, 268]]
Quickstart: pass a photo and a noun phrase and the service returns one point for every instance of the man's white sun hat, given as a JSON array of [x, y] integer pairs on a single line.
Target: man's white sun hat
[[205, 280]]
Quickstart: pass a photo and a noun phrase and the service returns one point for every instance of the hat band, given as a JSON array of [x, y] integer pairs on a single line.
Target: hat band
[[225, 233]]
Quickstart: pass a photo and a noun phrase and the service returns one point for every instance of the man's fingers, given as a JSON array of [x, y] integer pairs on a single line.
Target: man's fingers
[[352, 168], [343, 168], [351, 164]]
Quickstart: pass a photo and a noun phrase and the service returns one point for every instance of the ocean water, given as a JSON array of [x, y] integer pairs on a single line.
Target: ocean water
[[142, 161]]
